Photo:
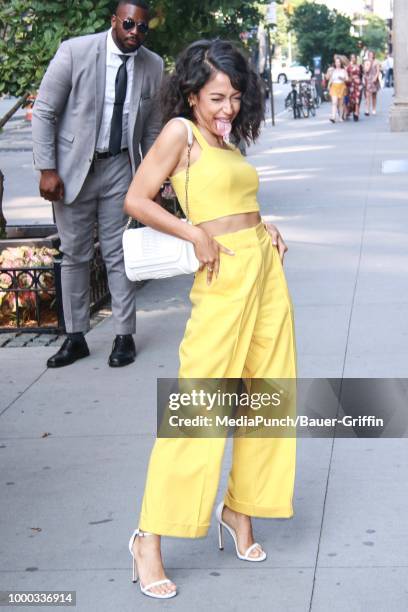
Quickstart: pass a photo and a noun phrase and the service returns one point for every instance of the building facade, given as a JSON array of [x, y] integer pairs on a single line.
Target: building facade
[[352, 8], [399, 109]]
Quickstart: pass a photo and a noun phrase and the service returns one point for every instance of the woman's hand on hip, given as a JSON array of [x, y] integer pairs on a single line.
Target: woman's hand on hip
[[208, 251], [277, 239]]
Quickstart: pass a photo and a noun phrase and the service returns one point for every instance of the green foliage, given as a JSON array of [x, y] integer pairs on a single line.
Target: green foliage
[[282, 27], [180, 23], [375, 33], [284, 10], [31, 30], [321, 31], [339, 38]]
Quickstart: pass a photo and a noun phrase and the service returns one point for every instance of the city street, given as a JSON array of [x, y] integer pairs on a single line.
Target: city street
[[75, 442]]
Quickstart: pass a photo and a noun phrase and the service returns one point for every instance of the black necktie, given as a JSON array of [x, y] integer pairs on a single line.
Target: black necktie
[[115, 139]]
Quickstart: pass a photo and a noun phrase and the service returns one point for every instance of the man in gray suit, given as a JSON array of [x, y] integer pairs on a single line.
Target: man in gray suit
[[96, 113]]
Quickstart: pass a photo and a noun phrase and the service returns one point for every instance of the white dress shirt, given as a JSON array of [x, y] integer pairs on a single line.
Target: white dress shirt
[[113, 62]]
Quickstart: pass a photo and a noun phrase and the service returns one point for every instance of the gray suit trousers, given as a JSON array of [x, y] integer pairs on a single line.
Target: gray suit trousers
[[100, 199]]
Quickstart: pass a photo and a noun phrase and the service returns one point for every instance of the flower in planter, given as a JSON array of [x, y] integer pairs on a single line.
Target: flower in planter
[[6, 281], [27, 256], [24, 257]]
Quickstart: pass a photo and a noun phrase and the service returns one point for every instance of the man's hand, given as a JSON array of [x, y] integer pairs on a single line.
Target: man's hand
[[51, 185]]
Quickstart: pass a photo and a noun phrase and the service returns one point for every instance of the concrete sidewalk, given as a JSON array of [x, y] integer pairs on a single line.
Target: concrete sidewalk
[[345, 548]]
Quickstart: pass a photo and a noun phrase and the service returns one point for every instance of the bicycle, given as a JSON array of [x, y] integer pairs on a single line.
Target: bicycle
[[307, 97], [315, 94]]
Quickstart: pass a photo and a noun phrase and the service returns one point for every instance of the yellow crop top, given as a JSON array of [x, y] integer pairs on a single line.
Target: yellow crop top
[[221, 183]]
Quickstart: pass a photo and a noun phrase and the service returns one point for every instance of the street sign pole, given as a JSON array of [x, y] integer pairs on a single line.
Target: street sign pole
[[270, 23], [317, 72], [270, 82]]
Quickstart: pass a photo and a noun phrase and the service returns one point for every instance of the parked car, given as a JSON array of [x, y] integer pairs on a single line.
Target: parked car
[[282, 73]]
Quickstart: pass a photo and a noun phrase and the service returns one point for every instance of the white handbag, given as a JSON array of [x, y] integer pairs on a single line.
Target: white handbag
[[150, 254]]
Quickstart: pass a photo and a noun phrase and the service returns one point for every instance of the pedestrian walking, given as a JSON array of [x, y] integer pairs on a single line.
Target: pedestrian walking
[[95, 109], [388, 70], [337, 77], [241, 323], [355, 86], [371, 83], [345, 62]]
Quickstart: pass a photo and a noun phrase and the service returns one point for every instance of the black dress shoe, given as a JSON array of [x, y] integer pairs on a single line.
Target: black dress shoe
[[70, 351], [123, 351]]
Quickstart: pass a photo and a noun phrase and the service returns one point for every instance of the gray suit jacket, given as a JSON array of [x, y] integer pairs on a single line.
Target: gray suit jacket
[[68, 110]]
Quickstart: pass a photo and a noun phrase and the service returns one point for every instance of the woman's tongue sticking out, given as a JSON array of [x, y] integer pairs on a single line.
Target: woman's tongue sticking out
[[223, 128]]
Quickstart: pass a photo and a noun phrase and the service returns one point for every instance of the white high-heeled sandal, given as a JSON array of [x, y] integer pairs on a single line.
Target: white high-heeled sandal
[[146, 589], [221, 524]]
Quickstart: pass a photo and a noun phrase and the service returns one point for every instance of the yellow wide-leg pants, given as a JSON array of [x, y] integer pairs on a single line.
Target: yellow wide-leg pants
[[241, 326]]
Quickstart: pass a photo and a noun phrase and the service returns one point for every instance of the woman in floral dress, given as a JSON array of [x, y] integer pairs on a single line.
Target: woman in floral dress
[[371, 82], [355, 86]]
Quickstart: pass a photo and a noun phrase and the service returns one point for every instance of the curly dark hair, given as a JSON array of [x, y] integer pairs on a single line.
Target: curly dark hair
[[196, 65]]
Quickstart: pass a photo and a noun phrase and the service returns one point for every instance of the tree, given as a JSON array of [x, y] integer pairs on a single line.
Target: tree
[[285, 39], [181, 22], [375, 33], [320, 31], [31, 30]]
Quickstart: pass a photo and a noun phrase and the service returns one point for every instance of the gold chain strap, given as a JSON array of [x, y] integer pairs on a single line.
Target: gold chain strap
[[190, 146]]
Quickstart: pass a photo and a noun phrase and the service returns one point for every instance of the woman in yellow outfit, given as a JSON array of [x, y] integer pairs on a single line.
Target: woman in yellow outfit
[[241, 324], [338, 77]]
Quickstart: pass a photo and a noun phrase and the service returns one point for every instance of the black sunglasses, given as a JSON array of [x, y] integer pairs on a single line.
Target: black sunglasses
[[129, 24]]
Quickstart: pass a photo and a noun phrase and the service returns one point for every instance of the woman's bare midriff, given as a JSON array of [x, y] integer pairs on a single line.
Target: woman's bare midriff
[[231, 223]]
